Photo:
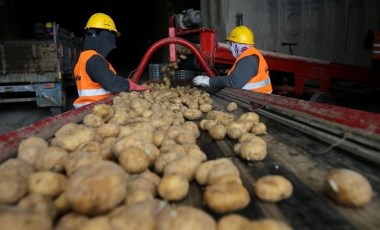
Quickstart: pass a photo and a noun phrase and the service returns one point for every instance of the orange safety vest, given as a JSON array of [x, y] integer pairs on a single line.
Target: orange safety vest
[[261, 81], [376, 45], [88, 90]]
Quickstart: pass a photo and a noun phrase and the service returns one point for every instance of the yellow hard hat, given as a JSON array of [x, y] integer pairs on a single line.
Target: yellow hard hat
[[102, 21], [48, 25], [241, 34]]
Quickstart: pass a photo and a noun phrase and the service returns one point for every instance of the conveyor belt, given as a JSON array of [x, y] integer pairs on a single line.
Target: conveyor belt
[[303, 145], [303, 154]]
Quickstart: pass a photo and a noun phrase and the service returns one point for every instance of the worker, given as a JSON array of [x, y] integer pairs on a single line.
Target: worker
[[95, 77], [49, 29], [250, 70]]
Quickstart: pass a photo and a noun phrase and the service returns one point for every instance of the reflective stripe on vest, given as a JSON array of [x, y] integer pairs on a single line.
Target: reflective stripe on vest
[[257, 85], [93, 92]]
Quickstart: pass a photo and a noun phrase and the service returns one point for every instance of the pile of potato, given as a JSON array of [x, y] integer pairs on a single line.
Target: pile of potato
[[127, 164]]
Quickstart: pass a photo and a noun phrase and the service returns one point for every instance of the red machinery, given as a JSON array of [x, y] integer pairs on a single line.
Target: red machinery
[[291, 75]]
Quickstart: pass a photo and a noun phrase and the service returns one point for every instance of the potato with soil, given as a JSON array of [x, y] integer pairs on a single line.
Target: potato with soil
[[104, 111], [232, 106], [347, 187], [13, 176], [173, 187], [232, 222], [134, 159], [183, 217], [226, 197], [31, 149], [71, 140], [38, 203], [77, 160], [15, 218], [47, 183], [273, 188], [71, 221], [97, 188], [252, 150], [137, 216], [52, 160], [267, 224], [218, 132], [186, 166], [192, 114]]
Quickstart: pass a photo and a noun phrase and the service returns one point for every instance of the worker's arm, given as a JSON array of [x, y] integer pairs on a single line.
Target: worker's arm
[[97, 68], [243, 72]]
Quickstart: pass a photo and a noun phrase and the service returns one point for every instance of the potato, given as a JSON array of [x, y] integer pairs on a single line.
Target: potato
[[164, 159], [259, 129], [137, 216], [201, 175], [183, 217], [137, 182], [151, 176], [253, 151], [133, 160], [251, 116], [205, 108], [222, 169], [97, 223], [232, 222], [232, 106], [92, 120], [97, 188], [136, 196], [89, 147], [107, 130], [226, 197], [12, 188], [186, 166], [173, 187], [267, 224], [217, 132], [47, 183], [31, 148], [52, 160], [104, 111], [15, 218], [16, 167], [273, 188], [77, 160], [61, 203], [347, 187], [71, 221], [195, 151], [192, 114], [38, 203], [72, 140]]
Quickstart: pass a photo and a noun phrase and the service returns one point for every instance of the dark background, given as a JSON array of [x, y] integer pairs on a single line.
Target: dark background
[[140, 24]]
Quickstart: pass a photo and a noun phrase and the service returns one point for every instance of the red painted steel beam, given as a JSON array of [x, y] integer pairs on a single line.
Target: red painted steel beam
[[367, 122]]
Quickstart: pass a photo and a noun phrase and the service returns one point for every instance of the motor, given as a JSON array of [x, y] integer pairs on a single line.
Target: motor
[[189, 18]]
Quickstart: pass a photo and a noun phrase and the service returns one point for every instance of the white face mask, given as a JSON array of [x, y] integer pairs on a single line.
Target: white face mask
[[237, 48]]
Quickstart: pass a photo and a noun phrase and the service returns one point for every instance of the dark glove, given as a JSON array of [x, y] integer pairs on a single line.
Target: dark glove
[[135, 87]]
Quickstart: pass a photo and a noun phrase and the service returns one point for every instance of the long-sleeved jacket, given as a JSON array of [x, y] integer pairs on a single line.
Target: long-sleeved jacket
[[249, 68]]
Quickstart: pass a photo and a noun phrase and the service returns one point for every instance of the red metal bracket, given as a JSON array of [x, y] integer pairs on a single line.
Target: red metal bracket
[[168, 41]]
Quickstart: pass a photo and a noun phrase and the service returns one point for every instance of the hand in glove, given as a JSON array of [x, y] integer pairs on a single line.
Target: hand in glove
[[135, 87], [201, 81]]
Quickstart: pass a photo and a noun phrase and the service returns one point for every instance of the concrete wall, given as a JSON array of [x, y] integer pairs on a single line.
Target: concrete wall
[[332, 30]]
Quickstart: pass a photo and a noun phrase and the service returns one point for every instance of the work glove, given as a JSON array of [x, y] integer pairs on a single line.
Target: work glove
[[135, 87], [201, 80]]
